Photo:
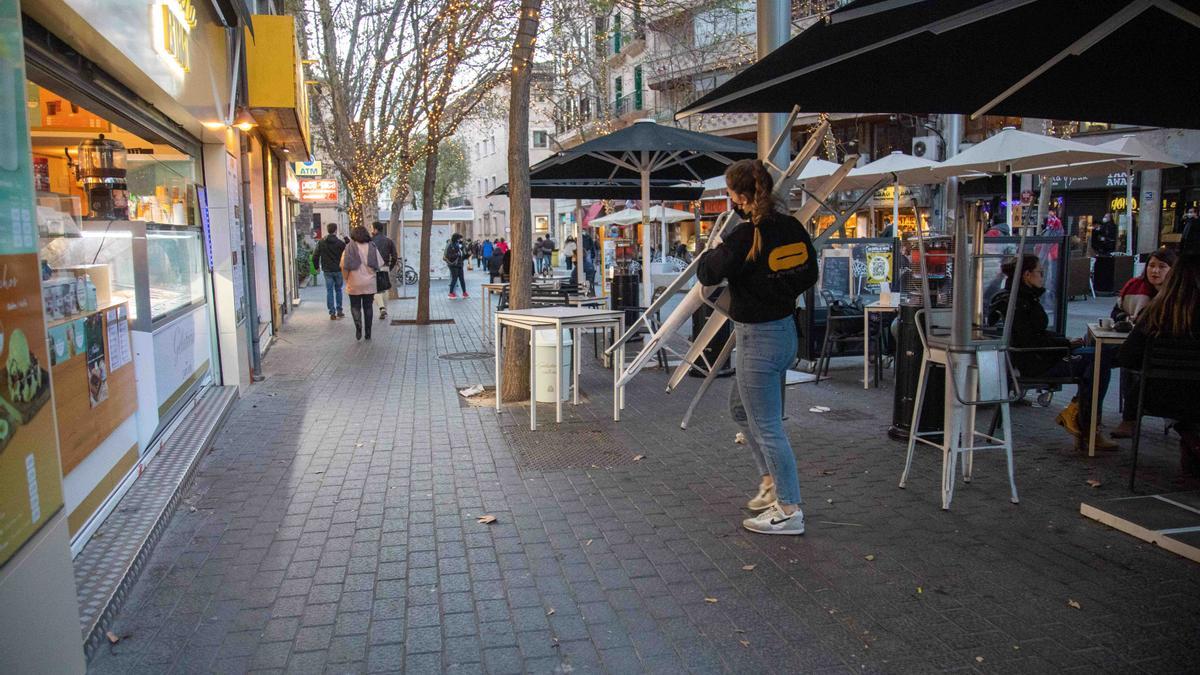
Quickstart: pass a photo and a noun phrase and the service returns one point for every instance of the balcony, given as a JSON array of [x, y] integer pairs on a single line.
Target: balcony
[[677, 68], [625, 45], [630, 106]]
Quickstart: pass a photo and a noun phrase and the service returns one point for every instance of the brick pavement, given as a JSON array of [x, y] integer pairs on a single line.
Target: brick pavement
[[335, 530]]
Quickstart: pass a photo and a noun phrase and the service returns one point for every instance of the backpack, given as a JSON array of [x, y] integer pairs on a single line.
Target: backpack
[[453, 255]]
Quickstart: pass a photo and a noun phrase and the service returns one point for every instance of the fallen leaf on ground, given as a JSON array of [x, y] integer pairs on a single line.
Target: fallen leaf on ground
[[748, 568], [745, 643], [978, 659], [740, 438], [112, 637], [358, 445], [487, 519], [1072, 603], [829, 501], [638, 458], [870, 557], [920, 590], [1093, 482], [711, 601], [550, 612]]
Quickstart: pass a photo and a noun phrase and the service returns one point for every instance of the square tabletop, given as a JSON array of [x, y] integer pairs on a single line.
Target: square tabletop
[[1107, 334], [559, 313]]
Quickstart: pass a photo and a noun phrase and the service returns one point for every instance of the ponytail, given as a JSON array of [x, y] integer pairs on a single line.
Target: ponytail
[[749, 177]]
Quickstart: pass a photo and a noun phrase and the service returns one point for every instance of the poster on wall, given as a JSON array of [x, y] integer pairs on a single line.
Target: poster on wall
[[30, 477], [97, 365]]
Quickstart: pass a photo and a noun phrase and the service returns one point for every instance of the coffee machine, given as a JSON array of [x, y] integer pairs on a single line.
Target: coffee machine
[[100, 169]]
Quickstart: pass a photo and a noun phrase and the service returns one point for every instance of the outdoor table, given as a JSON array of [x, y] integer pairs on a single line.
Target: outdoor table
[[488, 291], [878, 308], [1101, 337], [558, 318], [587, 300]]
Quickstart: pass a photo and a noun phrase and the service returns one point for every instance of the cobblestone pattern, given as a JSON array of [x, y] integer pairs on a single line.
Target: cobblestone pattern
[[336, 531]]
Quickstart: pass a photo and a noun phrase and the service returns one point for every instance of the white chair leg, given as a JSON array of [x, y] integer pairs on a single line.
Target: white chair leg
[[968, 439], [915, 428], [949, 469], [1008, 450]]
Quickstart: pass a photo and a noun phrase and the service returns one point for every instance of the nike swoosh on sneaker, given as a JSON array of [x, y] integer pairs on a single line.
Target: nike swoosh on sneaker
[[777, 522]]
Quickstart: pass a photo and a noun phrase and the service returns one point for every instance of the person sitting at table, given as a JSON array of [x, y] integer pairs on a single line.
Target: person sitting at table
[[1039, 352], [1174, 313], [1135, 295]]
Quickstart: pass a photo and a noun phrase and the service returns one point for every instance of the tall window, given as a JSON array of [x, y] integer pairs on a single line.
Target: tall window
[[541, 138], [637, 87], [618, 93], [616, 34]]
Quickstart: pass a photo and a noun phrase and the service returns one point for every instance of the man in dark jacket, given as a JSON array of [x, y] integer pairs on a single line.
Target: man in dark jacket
[[387, 251], [1105, 235], [329, 256], [1049, 354]]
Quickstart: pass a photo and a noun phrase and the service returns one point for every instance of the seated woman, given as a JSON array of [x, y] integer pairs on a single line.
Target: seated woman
[[1174, 313], [1135, 295], [1042, 353]]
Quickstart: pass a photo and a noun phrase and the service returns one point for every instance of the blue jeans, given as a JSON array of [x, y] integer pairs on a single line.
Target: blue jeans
[[1080, 367], [456, 276], [333, 292], [764, 352]]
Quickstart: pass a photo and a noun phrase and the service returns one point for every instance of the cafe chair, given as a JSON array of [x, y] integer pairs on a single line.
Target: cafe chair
[[1169, 366], [844, 330]]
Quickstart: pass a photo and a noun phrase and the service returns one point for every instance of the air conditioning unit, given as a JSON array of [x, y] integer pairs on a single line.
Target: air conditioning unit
[[929, 147]]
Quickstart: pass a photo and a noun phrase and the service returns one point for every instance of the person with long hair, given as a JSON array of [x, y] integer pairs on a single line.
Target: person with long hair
[[360, 262], [1044, 353], [1173, 314], [1135, 295], [768, 261]]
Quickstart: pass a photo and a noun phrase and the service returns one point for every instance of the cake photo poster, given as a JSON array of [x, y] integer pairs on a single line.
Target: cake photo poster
[[30, 477]]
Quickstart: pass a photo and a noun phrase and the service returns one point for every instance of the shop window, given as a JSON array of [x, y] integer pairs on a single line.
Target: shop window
[[116, 214]]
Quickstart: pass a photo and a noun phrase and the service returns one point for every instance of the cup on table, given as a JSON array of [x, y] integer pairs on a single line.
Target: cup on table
[[1106, 323]]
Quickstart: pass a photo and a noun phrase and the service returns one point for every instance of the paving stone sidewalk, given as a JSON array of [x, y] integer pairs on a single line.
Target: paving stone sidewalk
[[335, 529]]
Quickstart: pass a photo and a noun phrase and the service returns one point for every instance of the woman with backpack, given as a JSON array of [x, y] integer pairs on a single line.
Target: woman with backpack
[[768, 261], [360, 262], [454, 256]]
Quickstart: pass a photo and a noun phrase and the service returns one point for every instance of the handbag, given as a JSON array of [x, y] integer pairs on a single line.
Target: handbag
[[383, 281]]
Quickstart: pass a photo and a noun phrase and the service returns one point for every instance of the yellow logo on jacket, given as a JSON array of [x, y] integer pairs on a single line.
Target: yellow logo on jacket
[[788, 257]]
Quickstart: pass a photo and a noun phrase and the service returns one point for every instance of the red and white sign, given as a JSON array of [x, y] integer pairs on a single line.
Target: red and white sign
[[318, 190]]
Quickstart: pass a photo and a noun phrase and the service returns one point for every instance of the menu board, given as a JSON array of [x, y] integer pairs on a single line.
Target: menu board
[[30, 478]]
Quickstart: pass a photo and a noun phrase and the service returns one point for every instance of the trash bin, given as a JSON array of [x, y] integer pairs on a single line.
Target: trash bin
[[543, 351], [908, 372]]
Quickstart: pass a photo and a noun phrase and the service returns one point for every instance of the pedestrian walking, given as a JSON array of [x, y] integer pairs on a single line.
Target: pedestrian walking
[[537, 256], [454, 256], [495, 263], [329, 256], [548, 247], [503, 245], [768, 261], [387, 251], [485, 253], [360, 263], [568, 251], [1104, 236]]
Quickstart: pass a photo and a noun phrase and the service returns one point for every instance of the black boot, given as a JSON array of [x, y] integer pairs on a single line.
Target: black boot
[[356, 313], [367, 324]]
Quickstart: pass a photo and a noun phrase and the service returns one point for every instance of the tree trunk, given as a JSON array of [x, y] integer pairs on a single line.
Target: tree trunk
[[516, 352], [431, 162]]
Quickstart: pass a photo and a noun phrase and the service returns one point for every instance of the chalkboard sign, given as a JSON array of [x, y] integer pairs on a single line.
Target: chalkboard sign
[[836, 273]]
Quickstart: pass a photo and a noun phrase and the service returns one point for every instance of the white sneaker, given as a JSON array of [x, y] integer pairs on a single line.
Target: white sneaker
[[764, 499], [773, 521]]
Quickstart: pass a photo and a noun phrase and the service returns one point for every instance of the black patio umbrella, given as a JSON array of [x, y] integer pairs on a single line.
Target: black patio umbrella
[[1126, 61], [670, 190], [644, 151]]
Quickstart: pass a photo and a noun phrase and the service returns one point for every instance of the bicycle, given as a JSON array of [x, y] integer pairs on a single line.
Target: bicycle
[[404, 272]]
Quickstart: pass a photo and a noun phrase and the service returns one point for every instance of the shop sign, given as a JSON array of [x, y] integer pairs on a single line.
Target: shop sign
[[318, 190], [1112, 180], [173, 23], [308, 169]]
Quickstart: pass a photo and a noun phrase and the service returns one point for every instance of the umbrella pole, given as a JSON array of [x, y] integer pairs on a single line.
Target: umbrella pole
[[1129, 210], [645, 229], [579, 252], [896, 208]]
